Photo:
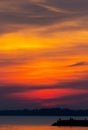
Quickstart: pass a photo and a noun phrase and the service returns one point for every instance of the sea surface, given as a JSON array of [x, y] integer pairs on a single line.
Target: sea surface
[[34, 123]]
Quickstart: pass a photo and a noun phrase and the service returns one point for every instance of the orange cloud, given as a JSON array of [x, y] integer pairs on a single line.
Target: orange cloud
[[43, 48], [48, 94]]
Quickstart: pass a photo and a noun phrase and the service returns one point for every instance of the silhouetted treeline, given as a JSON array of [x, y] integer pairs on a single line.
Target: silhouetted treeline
[[44, 112]]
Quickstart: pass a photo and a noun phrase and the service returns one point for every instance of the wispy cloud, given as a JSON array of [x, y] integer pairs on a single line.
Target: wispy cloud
[[69, 94], [82, 63], [22, 12], [43, 48]]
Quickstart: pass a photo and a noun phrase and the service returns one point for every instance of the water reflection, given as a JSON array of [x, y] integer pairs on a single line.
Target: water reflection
[[32, 123], [22, 127]]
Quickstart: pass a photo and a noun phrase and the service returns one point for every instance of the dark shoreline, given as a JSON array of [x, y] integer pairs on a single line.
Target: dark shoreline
[[45, 112], [71, 122]]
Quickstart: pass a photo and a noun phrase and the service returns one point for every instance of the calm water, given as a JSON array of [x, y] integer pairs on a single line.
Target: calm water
[[32, 123]]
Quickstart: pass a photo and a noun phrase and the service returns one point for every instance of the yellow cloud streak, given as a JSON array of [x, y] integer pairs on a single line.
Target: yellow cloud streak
[[43, 70]]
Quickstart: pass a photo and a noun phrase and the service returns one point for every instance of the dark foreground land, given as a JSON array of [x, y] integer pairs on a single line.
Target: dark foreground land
[[44, 112], [71, 122]]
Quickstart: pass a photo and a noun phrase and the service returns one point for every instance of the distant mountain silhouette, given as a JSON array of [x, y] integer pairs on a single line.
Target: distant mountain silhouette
[[44, 112]]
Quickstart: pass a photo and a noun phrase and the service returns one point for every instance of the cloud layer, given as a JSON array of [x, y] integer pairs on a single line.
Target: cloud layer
[[71, 94], [42, 13], [43, 53]]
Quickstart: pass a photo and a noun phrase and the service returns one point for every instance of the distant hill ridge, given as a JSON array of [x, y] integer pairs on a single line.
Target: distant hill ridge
[[45, 112]]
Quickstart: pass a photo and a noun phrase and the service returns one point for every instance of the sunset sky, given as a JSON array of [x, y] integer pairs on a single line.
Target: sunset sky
[[43, 53]]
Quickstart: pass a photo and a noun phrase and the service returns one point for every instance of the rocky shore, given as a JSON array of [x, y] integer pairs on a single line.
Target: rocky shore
[[71, 122]]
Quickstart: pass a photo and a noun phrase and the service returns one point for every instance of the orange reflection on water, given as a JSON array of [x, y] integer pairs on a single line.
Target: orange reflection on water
[[28, 127]]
